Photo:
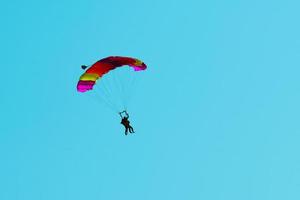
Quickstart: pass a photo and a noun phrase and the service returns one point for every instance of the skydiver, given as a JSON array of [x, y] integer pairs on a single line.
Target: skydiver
[[126, 122]]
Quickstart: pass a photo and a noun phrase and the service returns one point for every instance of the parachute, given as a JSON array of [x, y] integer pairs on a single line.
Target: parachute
[[103, 66], [108, 67]]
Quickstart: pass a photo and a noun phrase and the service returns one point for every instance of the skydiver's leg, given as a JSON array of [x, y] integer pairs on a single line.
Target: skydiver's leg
[[126, 130], [131, 129]]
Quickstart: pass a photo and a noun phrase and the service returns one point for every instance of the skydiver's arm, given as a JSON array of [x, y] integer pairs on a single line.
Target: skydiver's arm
[[126, 114]]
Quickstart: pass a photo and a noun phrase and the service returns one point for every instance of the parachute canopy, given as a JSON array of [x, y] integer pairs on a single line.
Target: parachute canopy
[[103, 66]]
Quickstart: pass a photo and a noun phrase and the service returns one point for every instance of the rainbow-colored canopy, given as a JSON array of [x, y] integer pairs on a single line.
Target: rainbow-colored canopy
[[103, 66]]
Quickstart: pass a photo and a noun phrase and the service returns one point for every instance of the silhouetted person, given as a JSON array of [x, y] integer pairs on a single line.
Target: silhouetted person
[[126, 123]]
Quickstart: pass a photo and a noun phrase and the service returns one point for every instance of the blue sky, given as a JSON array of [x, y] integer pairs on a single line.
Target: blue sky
[[216, 113]]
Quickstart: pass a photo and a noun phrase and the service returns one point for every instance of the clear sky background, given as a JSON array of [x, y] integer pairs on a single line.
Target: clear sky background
[[216, 113]]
